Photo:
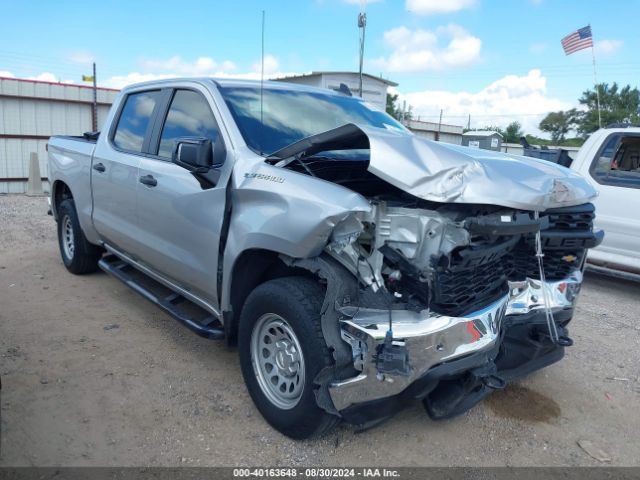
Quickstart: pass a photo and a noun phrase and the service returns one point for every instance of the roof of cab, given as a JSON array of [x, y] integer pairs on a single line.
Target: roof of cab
[[231, 82]]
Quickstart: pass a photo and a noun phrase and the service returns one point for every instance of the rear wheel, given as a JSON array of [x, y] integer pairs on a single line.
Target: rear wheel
[[282, 349], [78, 255]]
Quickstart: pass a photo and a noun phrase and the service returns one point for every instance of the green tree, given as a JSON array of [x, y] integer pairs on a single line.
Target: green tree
[[513, 132], [558, 124], [392, 109], [616, 105]]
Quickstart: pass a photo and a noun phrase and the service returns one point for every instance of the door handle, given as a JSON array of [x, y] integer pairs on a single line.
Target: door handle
[[99, 167], [149, 180]]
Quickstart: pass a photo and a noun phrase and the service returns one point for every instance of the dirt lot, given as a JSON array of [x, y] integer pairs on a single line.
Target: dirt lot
[[93, 374]]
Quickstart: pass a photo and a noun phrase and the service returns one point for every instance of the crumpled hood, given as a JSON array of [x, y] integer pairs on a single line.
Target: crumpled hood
[[442, 172], [446, 173]]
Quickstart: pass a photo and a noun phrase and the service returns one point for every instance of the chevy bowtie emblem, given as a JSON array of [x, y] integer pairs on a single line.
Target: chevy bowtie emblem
[[569, 258]]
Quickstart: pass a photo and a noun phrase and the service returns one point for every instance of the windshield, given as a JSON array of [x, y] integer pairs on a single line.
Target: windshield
[[291, 115]]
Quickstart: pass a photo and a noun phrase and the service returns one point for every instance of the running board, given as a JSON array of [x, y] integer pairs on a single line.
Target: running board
[[602, 270], [208, 326]]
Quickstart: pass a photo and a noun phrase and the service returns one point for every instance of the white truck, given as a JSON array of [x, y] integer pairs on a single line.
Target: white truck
[[610, 161]]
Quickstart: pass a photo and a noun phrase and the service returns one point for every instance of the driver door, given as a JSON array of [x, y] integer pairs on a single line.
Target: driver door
[[179, 213]]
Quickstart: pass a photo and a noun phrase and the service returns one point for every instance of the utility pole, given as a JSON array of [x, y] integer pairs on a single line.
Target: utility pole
[[439, 127], [94, 118], [362, 25]]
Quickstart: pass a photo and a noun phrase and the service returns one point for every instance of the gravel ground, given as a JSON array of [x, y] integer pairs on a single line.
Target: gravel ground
[[92, 374]]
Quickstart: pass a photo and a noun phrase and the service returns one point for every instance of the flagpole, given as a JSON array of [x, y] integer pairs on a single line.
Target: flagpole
[[595, 78]]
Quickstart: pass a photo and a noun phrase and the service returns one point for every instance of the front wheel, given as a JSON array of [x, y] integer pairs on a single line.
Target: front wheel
[[282, 349]]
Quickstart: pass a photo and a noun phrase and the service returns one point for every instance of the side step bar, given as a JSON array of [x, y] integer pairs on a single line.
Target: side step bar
[[602, 270], [209, 327]]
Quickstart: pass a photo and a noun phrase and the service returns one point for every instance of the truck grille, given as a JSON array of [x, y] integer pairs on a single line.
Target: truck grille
[[564, 244], [475, 276], [458, 292]]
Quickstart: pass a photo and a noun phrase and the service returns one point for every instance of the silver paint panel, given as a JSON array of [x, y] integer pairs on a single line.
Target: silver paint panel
[[449, 173]]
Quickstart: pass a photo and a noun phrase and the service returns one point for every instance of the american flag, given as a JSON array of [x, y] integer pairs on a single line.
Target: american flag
[[577, 40]]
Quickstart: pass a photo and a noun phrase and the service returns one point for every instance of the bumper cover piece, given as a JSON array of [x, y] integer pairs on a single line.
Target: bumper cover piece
[[430, 339], [434, 340]]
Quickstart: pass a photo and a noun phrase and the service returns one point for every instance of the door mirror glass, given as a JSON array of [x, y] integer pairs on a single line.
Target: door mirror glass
[[193, 153]]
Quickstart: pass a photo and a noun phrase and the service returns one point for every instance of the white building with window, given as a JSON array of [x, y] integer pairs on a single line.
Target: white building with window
[[374, 88]]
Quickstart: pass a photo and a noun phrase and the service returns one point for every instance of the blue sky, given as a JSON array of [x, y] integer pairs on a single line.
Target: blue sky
[[497, 60]]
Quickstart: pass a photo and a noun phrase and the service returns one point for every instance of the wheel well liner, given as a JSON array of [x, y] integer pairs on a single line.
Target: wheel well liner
[[60, 192], [252, 268]]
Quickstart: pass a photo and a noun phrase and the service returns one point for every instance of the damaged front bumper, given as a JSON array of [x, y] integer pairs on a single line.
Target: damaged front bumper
[[470, 351]]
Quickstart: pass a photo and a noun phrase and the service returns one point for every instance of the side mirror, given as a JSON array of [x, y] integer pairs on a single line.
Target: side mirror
[[193, 153]]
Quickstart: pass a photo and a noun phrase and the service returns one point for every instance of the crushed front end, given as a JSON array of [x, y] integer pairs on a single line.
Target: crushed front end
[[453, 301], [461, 276]]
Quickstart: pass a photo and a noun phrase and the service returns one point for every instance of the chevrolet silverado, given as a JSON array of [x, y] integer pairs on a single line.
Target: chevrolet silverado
[[357, 267]]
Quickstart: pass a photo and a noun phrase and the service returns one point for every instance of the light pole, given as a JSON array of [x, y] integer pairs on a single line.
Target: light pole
[[362, 25]]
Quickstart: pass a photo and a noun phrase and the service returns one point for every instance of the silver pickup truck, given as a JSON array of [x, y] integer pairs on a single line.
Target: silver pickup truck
[[357, 267]]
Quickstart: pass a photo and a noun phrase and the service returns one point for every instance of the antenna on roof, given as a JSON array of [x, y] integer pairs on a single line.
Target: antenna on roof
[[262, 87]]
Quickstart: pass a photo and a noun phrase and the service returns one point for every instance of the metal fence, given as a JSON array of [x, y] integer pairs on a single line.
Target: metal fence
[[30, 112]]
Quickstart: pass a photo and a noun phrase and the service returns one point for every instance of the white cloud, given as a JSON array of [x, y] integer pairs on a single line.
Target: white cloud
[[271, 65], [177, 66], [431, 7], [158, 69], [603, 48], [170, 68], [521, 98], [360, 2], [45, 77], [607, 47], [120, 81], [420, 50], [537, 48], [81, 58]]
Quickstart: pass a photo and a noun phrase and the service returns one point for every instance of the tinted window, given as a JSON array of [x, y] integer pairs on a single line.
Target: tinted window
[[134, 120], [188, 116], [618, 164], [286, 116]]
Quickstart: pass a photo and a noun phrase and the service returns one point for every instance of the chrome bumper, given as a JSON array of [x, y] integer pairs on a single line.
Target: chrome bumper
[[527, 295], [431, 338]]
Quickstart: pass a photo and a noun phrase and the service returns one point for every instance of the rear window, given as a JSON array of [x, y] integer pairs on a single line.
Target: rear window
[[134, 120]]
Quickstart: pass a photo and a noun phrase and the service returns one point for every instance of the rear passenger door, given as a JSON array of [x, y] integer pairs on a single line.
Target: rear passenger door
[[114, 173], [180, 213]]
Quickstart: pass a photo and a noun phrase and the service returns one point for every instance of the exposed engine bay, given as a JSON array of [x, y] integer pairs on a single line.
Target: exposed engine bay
[[454, 298], [449, 258], [454, 259]]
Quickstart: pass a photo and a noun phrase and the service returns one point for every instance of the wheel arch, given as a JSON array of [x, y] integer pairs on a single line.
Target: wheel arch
[[254, 267], [60, 191]]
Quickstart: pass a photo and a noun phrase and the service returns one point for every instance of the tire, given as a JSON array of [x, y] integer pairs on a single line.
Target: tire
[[286, 312], [78, 255]]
